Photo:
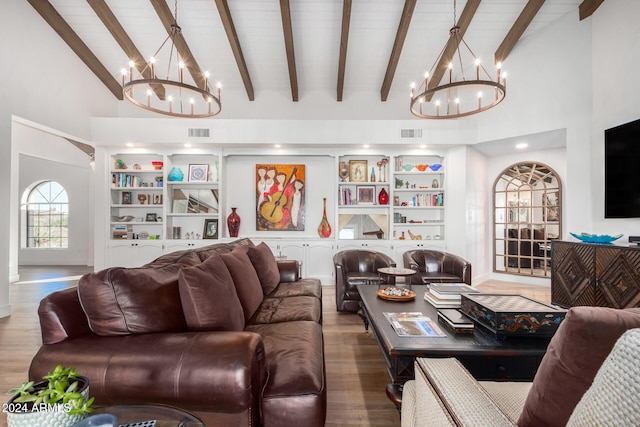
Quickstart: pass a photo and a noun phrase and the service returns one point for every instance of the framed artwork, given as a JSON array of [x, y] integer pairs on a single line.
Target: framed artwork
[[366, 194], [157, 199], [550, 203], [358, 170], [210, 229], [198, 173], [280, 197], [126, 197], [151, 217]]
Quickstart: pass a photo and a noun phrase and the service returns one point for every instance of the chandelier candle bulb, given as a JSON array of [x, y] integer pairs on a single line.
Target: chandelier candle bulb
[[149, 97], [181, 71], [450, 72], [170, 104], [131, 65], [206, 80], [477, 69], [124, 75]]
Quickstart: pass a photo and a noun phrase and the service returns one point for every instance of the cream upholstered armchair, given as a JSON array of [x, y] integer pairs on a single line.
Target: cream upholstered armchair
[[589, 376]]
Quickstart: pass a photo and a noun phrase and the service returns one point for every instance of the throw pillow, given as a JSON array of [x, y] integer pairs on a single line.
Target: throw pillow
[[576, 352], [266, 266], [122, 301], [245, 280], [612, 399], [209, 298]]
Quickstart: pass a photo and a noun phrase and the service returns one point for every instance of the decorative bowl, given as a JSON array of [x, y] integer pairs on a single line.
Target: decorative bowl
[[157, 165], [422, 168], [407, 168], [126, 218], [596, 238], [435, 167]]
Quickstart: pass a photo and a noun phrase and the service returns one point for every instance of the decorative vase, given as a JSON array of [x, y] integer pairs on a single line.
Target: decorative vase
[[176, 174], [383, 197], [233, 223], [324, 229], [52, 416]]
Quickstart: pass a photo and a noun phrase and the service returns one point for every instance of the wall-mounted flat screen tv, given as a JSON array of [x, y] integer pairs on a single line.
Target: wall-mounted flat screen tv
[[622, 171]]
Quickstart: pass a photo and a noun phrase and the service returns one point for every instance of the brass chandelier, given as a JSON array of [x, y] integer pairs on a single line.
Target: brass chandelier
[[461, 94], [170, 95]]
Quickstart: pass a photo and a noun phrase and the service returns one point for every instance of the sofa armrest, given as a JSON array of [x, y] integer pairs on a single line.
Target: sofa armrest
[[289, 271], [460, 401], [61, 317], [457, 265], [209, 371]]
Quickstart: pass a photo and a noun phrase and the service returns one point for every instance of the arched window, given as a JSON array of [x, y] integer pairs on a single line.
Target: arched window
[[47, 210], [527, 216]]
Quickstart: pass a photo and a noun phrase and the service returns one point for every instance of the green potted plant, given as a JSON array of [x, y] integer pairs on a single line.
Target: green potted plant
[[61, 399], [159, 180]]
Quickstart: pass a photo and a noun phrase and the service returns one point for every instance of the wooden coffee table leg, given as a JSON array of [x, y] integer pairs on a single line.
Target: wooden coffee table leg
[[394, 393]]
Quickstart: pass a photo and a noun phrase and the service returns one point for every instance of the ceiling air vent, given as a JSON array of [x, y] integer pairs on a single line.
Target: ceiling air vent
[[199, 133], [410, 133]]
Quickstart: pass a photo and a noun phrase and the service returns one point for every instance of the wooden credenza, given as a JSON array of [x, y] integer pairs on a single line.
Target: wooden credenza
[[595, 275]]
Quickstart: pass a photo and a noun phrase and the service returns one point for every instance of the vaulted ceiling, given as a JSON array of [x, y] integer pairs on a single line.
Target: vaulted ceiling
[[296, 47]]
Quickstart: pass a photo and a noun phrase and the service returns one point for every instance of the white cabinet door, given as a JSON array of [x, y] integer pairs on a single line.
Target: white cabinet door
[[383, 246], [133, 253], [319, 261]]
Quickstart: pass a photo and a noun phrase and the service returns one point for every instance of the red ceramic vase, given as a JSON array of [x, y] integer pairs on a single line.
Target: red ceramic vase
[[233, 223], [383, 197], [324, 229]]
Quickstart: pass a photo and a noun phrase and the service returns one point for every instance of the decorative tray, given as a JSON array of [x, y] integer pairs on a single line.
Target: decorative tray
[[396, 294], [596, 238]]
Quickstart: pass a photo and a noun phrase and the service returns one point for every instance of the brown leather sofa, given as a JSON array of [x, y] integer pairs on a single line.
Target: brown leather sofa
[[433, 266], [358, 267], [187, 330]]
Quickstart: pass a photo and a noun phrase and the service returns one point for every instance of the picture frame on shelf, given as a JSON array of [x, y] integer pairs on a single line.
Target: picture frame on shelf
[[366, 194], [157, 199], [198, 172], [210, 229], [126, 197], [151, 217], [358, 170]]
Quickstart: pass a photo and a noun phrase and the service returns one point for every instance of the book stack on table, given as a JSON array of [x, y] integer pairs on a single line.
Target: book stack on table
[[455, 321], [447, 295]]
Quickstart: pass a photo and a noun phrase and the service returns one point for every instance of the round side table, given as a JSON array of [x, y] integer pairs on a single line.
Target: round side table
[[396, 272]]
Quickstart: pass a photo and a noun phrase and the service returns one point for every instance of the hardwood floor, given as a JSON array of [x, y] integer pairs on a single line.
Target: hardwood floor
[[356, 371]]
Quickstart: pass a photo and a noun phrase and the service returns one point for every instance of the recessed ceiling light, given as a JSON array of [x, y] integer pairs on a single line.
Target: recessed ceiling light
[[277, 145], [423, 146], [522, 145], [129, 144], [366, 146], [187, 145]]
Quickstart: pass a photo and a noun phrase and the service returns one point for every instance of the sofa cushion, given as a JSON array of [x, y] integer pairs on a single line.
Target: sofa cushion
[[265, 265], [304, 287], [275, 310], [217, 248], [209, 298], [576, 352], [122, 301], [245, 280]]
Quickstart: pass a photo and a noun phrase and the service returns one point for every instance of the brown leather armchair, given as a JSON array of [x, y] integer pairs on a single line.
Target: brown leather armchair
[[437, 267], [358, 267]]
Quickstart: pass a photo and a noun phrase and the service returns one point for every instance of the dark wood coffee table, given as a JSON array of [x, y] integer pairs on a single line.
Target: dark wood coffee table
[[486, 358]]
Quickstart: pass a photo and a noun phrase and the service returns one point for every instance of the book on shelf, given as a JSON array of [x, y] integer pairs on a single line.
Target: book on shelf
[[414, 324], [451, 290], [455, 321], [440, 302]]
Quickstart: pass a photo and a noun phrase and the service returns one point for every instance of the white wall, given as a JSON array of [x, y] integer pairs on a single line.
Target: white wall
[[48, 85], [616, 100], [478, 215]]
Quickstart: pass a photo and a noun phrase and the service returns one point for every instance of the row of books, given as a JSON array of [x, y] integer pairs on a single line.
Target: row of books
[[125, 180], [346, 197]]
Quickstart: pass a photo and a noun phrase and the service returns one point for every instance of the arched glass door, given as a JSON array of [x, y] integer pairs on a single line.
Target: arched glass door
[[527, 216]]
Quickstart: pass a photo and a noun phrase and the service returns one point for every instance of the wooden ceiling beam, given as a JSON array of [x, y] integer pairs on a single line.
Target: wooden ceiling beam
[[232, 36], [519, 27], [285, 11], [450, 49], [344, 42], [64, 30], [167, 18], [588, 7], [401, 34], [126, 44]]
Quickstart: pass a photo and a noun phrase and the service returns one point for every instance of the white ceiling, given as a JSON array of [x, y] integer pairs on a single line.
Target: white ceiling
[[316, 32]]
